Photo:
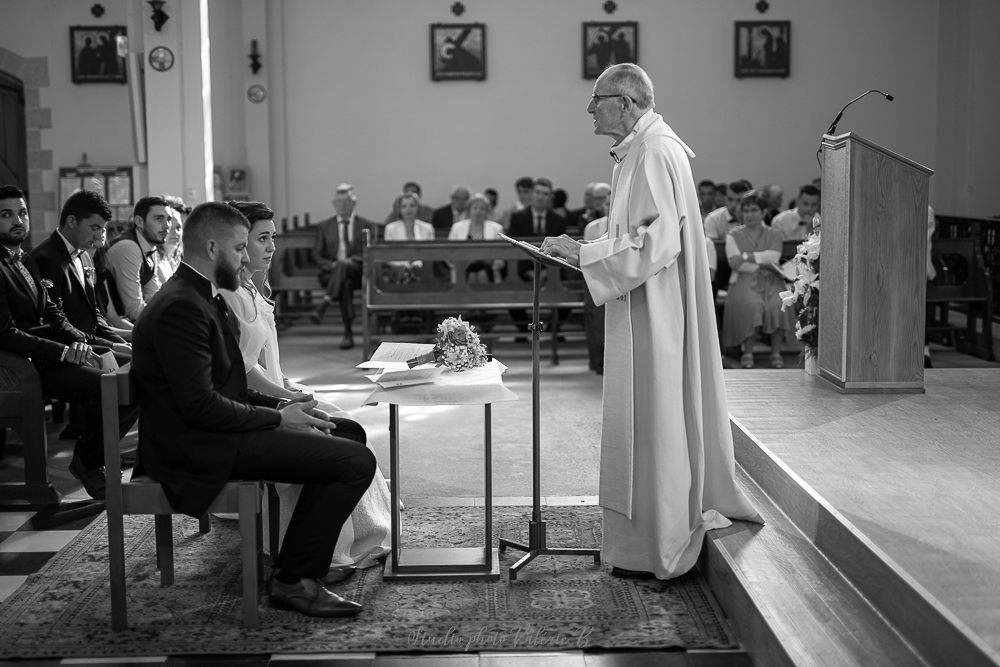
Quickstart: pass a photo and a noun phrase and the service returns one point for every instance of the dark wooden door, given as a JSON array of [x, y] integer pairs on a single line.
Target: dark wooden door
[[13, 144]]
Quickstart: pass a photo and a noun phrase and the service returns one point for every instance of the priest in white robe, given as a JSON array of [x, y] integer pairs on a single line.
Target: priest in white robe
[[667, 463]]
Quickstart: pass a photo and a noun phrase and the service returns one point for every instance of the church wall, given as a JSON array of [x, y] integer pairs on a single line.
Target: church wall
[[361, 107], [85, 118]]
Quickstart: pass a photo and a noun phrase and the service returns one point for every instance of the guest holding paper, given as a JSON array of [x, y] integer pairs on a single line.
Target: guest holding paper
[[365, 537], [202, 426], [667, 463], [753, 304]]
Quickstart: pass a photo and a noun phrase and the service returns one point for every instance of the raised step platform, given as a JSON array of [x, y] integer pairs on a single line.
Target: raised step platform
[[810, 587]]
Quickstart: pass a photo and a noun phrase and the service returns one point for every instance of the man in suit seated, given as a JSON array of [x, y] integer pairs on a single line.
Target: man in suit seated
[[339, 251], [60, 260], [131, 257], [33, 327], [579, 218], [449, 214], [534, 221], [202, 426]]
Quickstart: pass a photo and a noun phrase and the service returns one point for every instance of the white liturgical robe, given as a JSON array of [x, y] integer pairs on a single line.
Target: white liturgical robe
[[667, 463]]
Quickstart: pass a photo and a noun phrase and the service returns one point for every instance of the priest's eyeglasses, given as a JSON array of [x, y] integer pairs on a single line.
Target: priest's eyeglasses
[[598, 98]]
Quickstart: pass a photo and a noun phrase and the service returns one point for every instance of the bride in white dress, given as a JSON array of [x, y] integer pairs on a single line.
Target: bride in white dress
[[366, 537]]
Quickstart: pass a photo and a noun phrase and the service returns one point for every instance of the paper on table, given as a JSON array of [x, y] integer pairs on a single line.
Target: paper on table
[[395, 355], [393, 378]]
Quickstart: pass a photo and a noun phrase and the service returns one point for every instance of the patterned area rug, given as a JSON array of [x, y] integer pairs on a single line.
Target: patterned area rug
[[556, 603]]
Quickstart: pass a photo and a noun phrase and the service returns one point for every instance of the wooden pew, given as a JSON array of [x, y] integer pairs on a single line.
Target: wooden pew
[[961, 279], [293, 275], [380, 295]]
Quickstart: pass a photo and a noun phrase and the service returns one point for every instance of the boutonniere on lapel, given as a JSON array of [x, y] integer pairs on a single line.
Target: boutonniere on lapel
[[90, 273], [45, 283]]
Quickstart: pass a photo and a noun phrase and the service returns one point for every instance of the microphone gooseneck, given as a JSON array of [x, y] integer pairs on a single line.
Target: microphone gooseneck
[[833, 125]]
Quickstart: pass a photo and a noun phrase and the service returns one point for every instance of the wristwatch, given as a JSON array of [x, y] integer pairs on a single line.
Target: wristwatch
[[746, 257]]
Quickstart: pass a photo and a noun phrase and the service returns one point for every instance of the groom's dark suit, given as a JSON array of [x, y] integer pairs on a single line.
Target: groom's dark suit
[[201, 426]]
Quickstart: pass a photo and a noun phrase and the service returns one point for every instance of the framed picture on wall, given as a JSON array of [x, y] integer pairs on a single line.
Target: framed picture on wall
[[94, 54], [458, 52], [608, 44], [763, 48]]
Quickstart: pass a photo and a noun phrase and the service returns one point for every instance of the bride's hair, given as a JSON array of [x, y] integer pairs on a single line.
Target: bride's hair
[[254, 212]]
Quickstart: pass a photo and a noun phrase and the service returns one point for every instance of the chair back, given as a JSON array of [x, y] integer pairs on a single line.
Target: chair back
[[22, 407]]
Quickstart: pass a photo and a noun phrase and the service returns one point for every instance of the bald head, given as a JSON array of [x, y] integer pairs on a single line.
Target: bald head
[[632, 81]]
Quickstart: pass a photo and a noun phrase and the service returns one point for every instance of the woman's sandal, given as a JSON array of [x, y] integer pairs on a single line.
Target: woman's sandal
[[777, 361], [746, 361]]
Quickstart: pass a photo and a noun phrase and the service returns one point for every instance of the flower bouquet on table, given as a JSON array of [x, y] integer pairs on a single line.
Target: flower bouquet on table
[[457, 347], [804, 294]]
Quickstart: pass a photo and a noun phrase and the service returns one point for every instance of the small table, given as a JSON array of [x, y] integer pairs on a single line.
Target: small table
[[480, 386]]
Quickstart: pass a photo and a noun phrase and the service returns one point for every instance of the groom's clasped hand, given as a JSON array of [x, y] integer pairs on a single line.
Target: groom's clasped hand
[[301, 413]]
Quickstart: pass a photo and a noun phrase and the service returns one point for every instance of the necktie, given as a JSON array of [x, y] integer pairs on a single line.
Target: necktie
[[538, 224], [234, 326], [344, 234], [24, 272]]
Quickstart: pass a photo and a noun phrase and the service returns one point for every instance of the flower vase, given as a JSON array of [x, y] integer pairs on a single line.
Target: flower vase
[[811, 362]]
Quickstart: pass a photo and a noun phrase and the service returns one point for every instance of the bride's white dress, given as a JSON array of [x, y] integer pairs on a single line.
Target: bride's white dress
[[366, 536]]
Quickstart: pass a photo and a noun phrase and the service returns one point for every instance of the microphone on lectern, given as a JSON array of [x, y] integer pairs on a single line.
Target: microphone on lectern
[[833, 125]]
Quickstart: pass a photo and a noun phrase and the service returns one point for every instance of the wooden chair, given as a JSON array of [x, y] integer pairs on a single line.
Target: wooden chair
[[962, 279], [144, 496], [22, 408]]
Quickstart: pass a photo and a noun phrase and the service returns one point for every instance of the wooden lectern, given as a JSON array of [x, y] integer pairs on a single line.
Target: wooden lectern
[[873, 268]]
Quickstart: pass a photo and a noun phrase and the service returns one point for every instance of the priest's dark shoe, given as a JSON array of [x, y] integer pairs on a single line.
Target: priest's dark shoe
[[622, 573], [311, 598], [336, 576], [347, 342], [93, 479]]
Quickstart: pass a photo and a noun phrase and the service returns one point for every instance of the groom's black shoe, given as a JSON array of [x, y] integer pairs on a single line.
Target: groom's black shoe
[[311, 598], [622, 573], [336, 576]]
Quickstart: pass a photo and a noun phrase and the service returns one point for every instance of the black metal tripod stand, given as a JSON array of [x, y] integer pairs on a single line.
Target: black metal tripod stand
[[536, 527]]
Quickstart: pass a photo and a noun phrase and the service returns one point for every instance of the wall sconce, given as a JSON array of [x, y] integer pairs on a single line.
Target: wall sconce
[[159, 16], [254, 57]]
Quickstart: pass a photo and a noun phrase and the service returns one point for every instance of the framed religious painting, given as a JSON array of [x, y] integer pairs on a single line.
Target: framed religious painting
[[763, 48], [458, 52], [94, 54], [608, 44]]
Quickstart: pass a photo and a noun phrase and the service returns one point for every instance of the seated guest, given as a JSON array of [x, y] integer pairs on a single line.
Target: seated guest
[[723, 220], [366, 536], [575, 221], [599, 201], [720, 195], [131, 275], [494, 197], [96, 259], [202, 426], [706, 197], [534, 221], [33, 327], [408, 227], [559, 203], [60, 260], [339, 252], [775, 195], [797, 223], [425, 213], [524, 187], [172, 251], [447, 215], [477, 228], [753, 304]]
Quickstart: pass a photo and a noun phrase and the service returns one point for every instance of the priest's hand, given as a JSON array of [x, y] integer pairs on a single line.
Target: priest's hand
[[563, 246]]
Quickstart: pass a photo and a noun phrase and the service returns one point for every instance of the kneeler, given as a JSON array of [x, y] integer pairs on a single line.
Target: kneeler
[[145, 496]]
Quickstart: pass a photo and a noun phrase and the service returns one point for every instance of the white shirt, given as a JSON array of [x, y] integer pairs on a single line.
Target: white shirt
[[124, 260], [719, 223], [75, 260], [791, 224]]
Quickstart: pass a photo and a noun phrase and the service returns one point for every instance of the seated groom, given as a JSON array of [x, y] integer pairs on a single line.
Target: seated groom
[[202, 426], [32, 326]]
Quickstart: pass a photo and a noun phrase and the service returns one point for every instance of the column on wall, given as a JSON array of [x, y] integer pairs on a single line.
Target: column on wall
[[179, 105]]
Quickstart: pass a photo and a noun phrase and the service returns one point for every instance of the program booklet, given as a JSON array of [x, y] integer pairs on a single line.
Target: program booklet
[[536, 253]]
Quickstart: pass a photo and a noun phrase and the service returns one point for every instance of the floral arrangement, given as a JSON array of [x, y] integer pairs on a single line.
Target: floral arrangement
[[804, 294], [457, 347], [90, 273], [46, 283]]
